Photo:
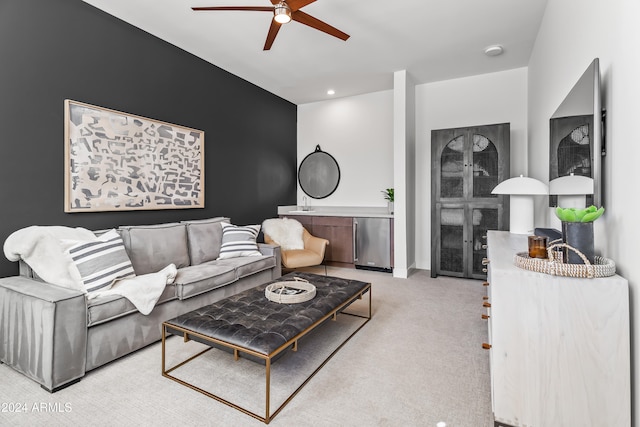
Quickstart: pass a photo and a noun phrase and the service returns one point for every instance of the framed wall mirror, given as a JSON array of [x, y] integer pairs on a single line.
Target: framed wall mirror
[[319, 174], [577, 143]]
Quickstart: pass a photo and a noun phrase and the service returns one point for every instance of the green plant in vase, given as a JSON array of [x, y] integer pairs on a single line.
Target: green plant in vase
[[577, 232], [389, 197], [388, 194], [589, 214]]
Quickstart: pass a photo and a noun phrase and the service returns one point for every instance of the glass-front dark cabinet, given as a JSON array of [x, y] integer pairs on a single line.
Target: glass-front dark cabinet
[[467, 163]]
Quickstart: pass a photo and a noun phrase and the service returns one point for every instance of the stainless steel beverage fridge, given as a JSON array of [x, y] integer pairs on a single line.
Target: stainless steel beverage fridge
[[372, 243]]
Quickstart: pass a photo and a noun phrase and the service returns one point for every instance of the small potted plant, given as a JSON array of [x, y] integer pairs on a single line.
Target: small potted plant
[[577, 231], [388, 196]]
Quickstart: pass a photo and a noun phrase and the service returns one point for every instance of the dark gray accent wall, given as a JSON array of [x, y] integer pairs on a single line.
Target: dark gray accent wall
[[51, 50]]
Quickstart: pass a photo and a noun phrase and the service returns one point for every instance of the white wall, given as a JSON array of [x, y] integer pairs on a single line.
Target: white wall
[[358, 132], [478, 100], [573, 32]]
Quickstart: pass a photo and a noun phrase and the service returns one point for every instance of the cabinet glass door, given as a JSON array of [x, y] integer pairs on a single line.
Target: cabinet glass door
[[452, 169], [483, 219], [452, 240], [485, 166]]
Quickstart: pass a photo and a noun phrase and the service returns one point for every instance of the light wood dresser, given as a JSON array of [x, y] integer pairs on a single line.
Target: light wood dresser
[[559, 347]]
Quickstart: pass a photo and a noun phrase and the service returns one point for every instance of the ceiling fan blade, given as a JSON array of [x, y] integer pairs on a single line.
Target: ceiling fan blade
[[312, 22], [271, 36], [251, 8], [298, 4]]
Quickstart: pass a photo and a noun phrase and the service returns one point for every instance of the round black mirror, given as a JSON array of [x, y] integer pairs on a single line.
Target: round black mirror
[[319, 174]]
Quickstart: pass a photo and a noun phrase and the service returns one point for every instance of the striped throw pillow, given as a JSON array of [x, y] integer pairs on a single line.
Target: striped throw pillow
[[239, 241], [101, 261]]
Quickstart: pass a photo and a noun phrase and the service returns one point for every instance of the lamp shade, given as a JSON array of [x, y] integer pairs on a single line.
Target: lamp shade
[[521, 185], [521, 189], [571, 185]]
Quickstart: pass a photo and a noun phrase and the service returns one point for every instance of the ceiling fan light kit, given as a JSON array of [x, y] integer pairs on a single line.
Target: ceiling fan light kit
[[283, 11]]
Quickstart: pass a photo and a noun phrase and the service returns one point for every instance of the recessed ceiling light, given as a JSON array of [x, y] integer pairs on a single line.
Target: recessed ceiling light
[[331, 92], [494, 50]]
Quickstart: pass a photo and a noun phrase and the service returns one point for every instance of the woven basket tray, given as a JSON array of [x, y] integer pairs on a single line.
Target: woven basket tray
[[290, 291], [602, 267]]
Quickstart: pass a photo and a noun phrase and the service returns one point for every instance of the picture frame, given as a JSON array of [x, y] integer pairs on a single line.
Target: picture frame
[[117, 161]]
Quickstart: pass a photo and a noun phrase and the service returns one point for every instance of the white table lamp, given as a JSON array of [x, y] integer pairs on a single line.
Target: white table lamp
[[521, 191], [571, 190]]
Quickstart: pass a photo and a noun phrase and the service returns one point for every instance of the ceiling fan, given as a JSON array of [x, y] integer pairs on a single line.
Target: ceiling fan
[[283, 12]]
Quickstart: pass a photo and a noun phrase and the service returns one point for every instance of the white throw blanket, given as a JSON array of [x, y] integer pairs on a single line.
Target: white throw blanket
[[143, 291], [42, 248], [286, 232]]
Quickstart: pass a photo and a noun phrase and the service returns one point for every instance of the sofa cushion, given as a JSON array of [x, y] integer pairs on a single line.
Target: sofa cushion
[[204, 238], [239, 241], [153, 247], [197, 279], [108, 307], [101, 261], [246, 266]]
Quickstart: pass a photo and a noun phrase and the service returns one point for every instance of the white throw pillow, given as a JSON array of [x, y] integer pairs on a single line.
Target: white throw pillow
[[101, 261], [239, 241], [286, 232]]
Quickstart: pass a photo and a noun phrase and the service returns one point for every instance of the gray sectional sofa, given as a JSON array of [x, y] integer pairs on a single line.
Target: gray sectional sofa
[[54, 335]]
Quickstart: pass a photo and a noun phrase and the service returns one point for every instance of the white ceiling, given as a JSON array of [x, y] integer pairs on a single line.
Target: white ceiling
[[432, 39]]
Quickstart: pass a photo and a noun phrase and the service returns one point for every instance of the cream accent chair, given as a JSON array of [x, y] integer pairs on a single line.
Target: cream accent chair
[[311, 255]]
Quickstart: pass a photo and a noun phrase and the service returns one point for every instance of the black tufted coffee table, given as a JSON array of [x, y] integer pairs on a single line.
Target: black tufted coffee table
[[253, 327]]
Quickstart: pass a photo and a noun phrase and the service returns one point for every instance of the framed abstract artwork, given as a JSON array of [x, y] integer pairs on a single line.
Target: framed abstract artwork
[[117, 161]]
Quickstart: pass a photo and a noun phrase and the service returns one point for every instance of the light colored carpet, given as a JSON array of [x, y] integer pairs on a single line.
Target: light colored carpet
[[418, 362]]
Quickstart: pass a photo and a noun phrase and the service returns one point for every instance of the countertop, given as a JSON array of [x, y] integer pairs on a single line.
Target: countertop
[[348, 211]]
